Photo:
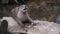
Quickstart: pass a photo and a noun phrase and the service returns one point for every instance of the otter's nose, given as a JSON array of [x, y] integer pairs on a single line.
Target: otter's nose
[[25, 9]]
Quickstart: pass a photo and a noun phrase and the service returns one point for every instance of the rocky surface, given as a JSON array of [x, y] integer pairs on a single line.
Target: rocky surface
[[13, 27], [41, 27], [44, 27]]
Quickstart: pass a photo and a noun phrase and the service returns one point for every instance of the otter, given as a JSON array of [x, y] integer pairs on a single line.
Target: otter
[[20, 14]]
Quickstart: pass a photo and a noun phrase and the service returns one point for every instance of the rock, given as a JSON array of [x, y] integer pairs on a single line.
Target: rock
[[13, 27], [44, 27], [40, 27]]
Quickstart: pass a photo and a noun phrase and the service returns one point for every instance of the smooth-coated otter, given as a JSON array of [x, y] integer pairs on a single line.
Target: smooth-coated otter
[[20, 14]]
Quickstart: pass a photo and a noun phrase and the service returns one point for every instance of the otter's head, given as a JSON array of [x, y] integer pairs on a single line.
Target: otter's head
[[22, 11], [23, 8]]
